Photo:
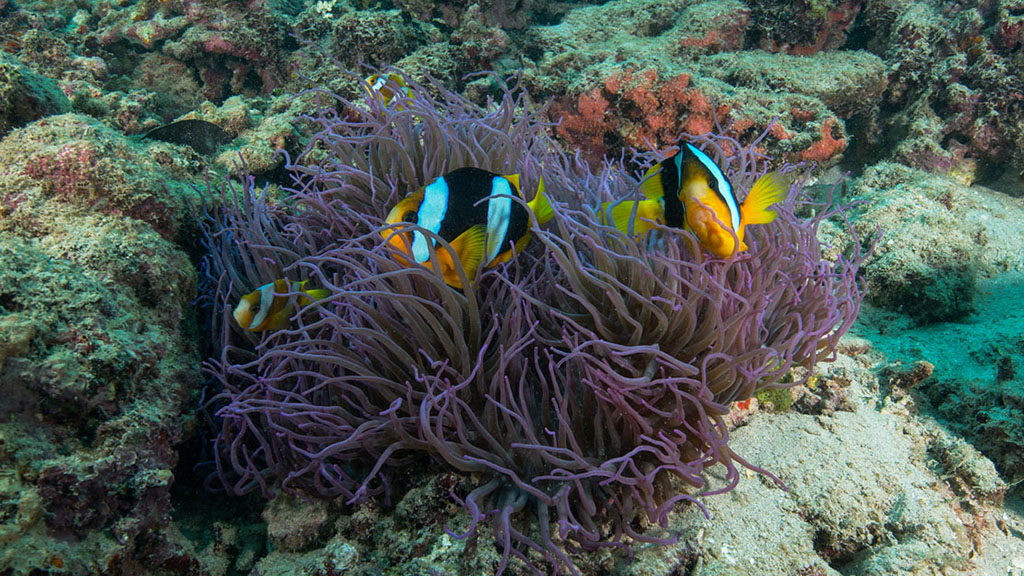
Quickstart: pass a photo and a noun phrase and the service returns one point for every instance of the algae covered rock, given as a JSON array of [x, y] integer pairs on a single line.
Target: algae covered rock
[[926, 265], [638, 73], [74, 163], [939, 238], [98, 361], [26, 96]]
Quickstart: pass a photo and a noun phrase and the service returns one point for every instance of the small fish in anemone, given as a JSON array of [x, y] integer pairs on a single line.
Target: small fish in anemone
[[473, 210], [689, 190], [272, 306], [580, 398], [385, 87]]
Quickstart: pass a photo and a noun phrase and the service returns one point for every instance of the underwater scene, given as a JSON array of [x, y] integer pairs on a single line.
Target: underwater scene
[[512, 287]]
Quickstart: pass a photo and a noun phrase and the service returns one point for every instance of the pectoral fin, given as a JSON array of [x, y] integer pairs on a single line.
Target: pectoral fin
[[540, 206], [470, 248], [769, 189]]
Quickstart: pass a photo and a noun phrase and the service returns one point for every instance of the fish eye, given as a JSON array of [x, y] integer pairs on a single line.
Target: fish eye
[[410, 216]]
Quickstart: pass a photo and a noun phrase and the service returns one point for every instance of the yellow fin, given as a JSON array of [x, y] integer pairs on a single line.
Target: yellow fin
[[651, 187], [540, 206], [318, 293], [769, 189], [645, 210], [310, 296], [470, 248]]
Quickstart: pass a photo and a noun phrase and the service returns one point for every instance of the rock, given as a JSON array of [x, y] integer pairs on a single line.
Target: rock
[[26, 96], [294, 524]]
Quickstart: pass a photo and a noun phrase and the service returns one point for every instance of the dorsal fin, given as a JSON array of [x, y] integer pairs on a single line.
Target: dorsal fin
[[769, 189], [514, 179], [540, 206]]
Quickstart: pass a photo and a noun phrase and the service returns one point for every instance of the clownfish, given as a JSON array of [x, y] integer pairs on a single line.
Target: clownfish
[[269, 307], [382, 86], [688, 190], [472, 210]]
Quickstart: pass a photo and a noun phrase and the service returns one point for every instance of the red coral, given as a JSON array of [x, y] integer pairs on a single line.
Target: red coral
[[825, 149], [778, 130], [833, 31], [725, 34], [586, 123], [638, 109]]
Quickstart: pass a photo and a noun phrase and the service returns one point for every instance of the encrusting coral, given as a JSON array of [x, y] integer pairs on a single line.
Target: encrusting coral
[[583, 384]]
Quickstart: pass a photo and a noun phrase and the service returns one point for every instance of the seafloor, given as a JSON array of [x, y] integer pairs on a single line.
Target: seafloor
[[903, 456]]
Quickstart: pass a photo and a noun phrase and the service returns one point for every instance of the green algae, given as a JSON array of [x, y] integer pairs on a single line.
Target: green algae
[[775, 399]]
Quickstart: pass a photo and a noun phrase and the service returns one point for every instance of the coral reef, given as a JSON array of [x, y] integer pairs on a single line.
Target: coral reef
[[98, 354], [996, 412], [925, 83], [97, 369], [880, 518], [956, 104], [581, 383], [963, 375], [73, 161], [651, 70], [802, 27]]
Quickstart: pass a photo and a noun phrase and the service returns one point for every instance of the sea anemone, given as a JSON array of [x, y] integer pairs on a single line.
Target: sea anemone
[[584, 383]]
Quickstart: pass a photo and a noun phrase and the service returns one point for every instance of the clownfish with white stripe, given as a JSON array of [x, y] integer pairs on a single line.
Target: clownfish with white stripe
[[382, 87], [272, 306], [472, 210], [688, 190]]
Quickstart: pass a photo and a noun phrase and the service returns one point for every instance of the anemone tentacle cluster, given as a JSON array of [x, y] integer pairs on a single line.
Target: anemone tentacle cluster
[[585, 382]]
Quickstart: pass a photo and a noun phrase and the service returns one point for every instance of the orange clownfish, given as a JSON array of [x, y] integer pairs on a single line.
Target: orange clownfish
[[270, 307], [472, 210], [688, 190], [383, 86]]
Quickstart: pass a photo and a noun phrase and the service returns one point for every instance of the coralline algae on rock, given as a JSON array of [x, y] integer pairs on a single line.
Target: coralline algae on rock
[[98, 371]]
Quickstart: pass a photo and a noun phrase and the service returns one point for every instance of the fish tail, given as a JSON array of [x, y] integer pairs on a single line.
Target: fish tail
[[540, 206], [620, 215], [769, 189], [307, 297], [317, 293]]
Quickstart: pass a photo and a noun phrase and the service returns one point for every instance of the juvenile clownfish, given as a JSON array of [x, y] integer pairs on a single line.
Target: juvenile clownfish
[[473, 211], [270, 308], [383, 86], [688, 190]]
